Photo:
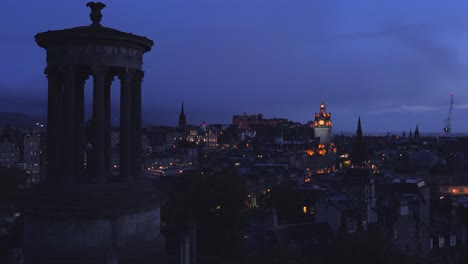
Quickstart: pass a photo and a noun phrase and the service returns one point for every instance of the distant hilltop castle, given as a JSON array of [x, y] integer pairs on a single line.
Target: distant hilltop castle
[[246, 121]]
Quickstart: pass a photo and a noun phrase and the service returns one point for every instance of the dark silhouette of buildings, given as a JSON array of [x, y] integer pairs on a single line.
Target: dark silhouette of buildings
[[81, 213]]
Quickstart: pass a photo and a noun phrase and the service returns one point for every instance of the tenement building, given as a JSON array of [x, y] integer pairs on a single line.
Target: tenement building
[[82, 213]]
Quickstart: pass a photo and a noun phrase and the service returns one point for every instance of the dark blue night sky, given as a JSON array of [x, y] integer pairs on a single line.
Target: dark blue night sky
[[394, 63]]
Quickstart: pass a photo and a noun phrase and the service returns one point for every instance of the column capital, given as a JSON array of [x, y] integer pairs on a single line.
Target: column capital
[[82, 74], [127, 73], [49, 71], [138, 78], [109, 80], [139, 74], [69, 67], [99, 71]]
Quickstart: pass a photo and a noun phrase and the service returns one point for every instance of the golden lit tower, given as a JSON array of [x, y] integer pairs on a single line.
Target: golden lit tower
[[323, 125]]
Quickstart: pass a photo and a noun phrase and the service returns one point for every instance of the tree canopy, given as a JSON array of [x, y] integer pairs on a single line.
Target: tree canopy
[[11, 180], [215, 201]]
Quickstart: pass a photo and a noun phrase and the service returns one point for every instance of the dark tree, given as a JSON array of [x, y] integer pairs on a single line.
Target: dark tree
[[288, 202], [229, 136], [215, 202], [12, 180]]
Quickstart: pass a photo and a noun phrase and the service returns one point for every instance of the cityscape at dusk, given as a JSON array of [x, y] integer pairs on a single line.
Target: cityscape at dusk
[[394, 63], [226, 132]]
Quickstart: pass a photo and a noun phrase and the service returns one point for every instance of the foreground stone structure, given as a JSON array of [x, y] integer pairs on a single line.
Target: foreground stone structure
[[80, 214]]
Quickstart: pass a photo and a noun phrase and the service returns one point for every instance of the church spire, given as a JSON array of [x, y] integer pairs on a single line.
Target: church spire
[[359, 129], [182, 120], [416, 133], [359, 149]]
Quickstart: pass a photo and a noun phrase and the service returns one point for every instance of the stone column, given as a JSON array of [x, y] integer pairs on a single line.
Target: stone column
[[108, 121], [54, 119], [136, 124], [81, 77], [99, 124], [126, 148], [69, 127]]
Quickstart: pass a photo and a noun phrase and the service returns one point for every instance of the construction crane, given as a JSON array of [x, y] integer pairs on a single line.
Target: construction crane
[[448, 120]]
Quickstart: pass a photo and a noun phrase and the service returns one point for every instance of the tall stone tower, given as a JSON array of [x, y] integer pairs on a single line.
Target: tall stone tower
[[323, 125], [80, 213]]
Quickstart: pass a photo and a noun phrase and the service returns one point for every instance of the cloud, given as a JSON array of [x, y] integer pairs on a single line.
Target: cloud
[[392, 31], [461, 106], [404, 109]]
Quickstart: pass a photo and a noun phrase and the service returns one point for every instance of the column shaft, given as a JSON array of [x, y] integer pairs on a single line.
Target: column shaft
[[126, 148], [99, 124], [54, 112], [136, 125], [107, 117], [79, 122], [69, 128]]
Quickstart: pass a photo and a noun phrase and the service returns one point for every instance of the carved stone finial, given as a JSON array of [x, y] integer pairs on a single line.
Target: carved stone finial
[[95, 12]]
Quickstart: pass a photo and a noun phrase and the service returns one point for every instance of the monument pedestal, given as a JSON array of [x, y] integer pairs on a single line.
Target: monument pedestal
[[92, 223]]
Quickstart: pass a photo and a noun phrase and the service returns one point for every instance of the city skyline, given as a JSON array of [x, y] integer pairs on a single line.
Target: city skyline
[[393, 64]]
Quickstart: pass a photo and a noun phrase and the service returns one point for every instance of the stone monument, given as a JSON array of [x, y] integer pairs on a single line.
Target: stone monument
[[79, 213]]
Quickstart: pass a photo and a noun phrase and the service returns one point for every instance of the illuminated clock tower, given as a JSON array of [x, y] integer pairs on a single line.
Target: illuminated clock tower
[[323, 125]]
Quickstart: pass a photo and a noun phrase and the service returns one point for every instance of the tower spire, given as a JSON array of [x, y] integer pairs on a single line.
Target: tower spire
[[359, 129], [359, 149], [182, 119]]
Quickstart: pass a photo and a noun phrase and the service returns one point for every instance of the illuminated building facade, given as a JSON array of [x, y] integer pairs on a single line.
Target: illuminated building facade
[[208, 136], [323, 125]]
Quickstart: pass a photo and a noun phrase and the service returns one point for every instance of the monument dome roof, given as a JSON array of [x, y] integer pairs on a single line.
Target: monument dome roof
[[94, 32]]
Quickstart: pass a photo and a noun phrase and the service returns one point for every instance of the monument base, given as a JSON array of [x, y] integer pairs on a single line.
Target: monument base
[[96, 223]]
